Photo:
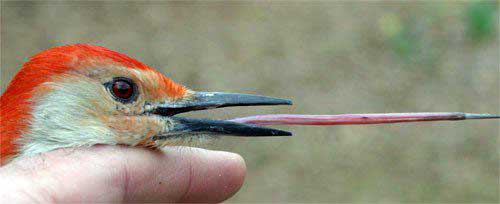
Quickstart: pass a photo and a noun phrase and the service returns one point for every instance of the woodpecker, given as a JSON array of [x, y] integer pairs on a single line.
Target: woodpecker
[[81, 95]]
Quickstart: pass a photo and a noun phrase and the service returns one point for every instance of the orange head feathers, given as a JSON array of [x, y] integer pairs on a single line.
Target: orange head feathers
[[41, 70], [80, 95]]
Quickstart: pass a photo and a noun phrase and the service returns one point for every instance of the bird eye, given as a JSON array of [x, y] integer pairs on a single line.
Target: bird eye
[[123, 89]]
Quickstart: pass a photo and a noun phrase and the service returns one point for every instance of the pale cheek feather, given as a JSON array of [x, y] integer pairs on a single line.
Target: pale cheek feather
[[76, 111], [66, 117]]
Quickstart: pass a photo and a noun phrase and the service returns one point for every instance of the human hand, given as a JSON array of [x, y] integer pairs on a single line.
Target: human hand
[[123, 174]]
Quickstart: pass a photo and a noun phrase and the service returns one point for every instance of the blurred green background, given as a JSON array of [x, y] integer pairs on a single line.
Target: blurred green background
[[330, 58]]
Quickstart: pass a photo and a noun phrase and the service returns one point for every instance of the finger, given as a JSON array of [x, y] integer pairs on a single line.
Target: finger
[[116, 174]]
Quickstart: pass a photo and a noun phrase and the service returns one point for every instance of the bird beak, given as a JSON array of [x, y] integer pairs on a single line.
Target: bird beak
[[221, 127], [211, 100]]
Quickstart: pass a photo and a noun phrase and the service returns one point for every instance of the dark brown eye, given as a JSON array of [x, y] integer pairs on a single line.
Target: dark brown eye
[[123, 89]]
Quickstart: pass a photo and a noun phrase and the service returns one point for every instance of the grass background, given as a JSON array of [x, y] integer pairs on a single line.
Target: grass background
[[330, 57]]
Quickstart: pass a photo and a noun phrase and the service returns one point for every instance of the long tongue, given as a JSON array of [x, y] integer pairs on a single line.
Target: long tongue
[[358, 119]]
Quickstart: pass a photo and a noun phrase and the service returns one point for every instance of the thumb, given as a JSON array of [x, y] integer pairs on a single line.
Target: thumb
[[124, 174]]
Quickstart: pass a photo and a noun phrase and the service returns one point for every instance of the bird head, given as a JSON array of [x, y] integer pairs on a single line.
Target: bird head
[[82, 95]]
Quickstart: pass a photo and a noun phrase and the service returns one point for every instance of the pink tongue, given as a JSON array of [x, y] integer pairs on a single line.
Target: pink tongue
[[357, 119]]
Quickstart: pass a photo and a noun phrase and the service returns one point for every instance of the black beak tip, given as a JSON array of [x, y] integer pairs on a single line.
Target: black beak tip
[[247, 130], [284, 133], [268, 132]]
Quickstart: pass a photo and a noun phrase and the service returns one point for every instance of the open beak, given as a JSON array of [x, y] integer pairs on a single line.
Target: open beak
[[210, 100]]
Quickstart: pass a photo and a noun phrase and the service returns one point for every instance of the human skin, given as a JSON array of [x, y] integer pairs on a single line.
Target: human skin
[[123, 174]]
